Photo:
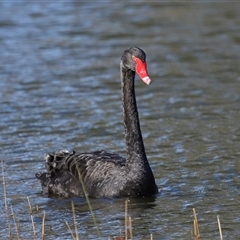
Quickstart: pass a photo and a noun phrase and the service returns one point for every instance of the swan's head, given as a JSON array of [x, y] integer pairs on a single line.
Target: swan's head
[[134, 58]]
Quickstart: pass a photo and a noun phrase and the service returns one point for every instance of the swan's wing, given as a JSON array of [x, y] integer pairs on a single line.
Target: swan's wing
[[68, 172]]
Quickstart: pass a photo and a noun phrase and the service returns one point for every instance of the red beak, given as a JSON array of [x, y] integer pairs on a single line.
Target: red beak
[[141, 69]]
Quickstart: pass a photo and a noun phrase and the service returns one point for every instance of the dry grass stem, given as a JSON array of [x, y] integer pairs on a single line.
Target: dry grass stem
[[33, 227], [15, 223], [4, 190], [88, 202], [29, 204], [219, 227], [43, 225], [70, 230], [75, 222], [126, 219], [130, 227], [195, 226], [5, 200], [30, 208]]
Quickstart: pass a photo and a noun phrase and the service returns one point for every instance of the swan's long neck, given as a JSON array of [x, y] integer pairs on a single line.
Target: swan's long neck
[[134, 141]]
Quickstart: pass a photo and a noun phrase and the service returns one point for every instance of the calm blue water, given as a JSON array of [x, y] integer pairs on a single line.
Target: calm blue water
[[60, 89]]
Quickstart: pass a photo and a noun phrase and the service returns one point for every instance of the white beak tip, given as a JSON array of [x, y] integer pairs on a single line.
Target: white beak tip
[[147, 80]]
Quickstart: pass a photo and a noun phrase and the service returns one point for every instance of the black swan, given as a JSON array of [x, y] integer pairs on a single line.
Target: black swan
[[103, 174]]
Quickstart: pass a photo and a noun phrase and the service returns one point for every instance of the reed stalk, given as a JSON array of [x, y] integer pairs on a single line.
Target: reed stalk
[[5, 200], [43, 225], [4, 189], [15, 223], [31, 212], [130, 227], [195, 226], [33, 227], [70, 230], [88, 201], [75, 222], [29, 204], [219, 227], [126, 219]]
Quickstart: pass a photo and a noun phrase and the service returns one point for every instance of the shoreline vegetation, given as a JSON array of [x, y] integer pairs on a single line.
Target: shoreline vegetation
[[14, 228]]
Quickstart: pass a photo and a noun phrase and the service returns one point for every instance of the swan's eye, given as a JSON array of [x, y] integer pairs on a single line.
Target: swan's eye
[[134, 58]]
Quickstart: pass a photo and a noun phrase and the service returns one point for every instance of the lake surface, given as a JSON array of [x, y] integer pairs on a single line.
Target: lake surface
[[60, 89]]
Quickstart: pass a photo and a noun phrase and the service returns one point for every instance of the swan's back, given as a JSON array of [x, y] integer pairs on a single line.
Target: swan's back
[[68, 172], [102, 174]]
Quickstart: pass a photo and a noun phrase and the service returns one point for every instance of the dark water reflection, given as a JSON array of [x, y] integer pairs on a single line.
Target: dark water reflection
[[60, 89]]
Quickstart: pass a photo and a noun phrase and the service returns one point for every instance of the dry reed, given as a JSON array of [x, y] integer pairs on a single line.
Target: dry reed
[[70, 230], [43, 225], [31, 212], [15, 223], [196, 233], [128, 235], [219, 227], [88, 201]]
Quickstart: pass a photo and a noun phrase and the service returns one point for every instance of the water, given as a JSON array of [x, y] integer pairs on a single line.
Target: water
[[60, 89]]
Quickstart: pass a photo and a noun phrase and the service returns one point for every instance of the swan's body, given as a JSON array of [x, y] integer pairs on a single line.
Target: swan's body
[[101, 173]]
